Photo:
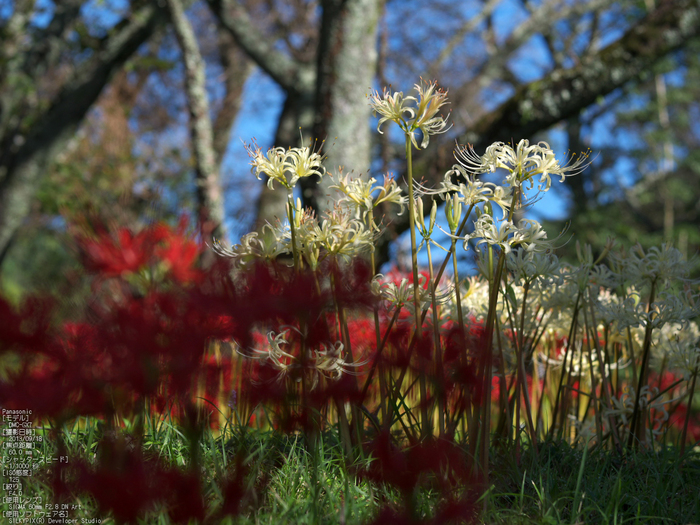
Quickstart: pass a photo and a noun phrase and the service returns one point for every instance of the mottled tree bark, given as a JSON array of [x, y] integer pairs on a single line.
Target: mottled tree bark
[[564, 93], [297, 79], [209, 196], [297, 114], [347, 63], [237, 68]]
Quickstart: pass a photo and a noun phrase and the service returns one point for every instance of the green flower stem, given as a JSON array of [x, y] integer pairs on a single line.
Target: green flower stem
[[691, 392], [460, 314], [606, 386], [636, 427], [425, 312], [378, 354], [412, 228], [425, 420], [569, 346], [458, 294], [290, 218], [377, 327], [438, 348], [594, 400], [484, 427], [521, 371]]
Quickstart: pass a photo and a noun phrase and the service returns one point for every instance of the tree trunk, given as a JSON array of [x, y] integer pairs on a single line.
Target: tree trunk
[[209, 196], [347, 62]]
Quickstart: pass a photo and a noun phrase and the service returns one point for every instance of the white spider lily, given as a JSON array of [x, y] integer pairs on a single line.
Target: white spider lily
[[391, 106], [364, 196], [421, 115], [530, 265], [523, 162], [491, 233], [326, 362], [401, 295], [649, 398], [266, 246], [285, 166]]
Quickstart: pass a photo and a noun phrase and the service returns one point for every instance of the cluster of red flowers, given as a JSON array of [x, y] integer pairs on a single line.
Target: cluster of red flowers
[[147, 339]]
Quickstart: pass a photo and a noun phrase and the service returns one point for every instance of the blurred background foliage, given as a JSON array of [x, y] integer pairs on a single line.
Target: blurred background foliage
[[97, 119]]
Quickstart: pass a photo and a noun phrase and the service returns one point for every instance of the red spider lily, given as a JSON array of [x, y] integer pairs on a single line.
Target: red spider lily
[[441, 462], [665, 381], [457, 511], [235, 489], [463, 355], [215, 379], [180, 255], [182, 493], [398, 342], [130, 486], [343, 390], [395, 275], [59, 381], [363, 335], [112, 255], [677, 421]]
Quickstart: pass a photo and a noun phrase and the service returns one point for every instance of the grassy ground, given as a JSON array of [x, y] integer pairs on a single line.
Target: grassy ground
[[283, 481]]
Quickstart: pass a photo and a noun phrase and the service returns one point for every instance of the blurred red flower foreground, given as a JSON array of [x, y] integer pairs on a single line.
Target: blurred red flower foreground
[[146, 341]]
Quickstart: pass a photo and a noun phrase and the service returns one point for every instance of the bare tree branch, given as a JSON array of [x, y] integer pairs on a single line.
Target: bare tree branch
[[563, 93], [237, 67], [288, 73]]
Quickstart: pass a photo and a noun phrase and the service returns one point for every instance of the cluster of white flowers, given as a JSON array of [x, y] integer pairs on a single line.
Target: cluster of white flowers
[[559, 296], [337, 235], [364, 195], [266, 246], [677, 347], [649, 398], [323, 363], [664, 266], [400, 295], [285, 166], [412, 113], [523, 163], [580, 361]]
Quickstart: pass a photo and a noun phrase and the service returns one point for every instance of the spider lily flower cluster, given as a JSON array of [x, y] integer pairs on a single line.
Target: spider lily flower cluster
[[359, 194], [412, 113], [326, 363], [539, 298], [285, 166], [523, 162]]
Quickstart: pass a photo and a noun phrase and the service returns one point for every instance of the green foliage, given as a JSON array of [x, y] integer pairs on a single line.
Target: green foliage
[[639, 487]]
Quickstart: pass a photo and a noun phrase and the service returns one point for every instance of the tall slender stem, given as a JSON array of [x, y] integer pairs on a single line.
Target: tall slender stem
[[636, 425], [684, 435], [290, 218], [425, 423]]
